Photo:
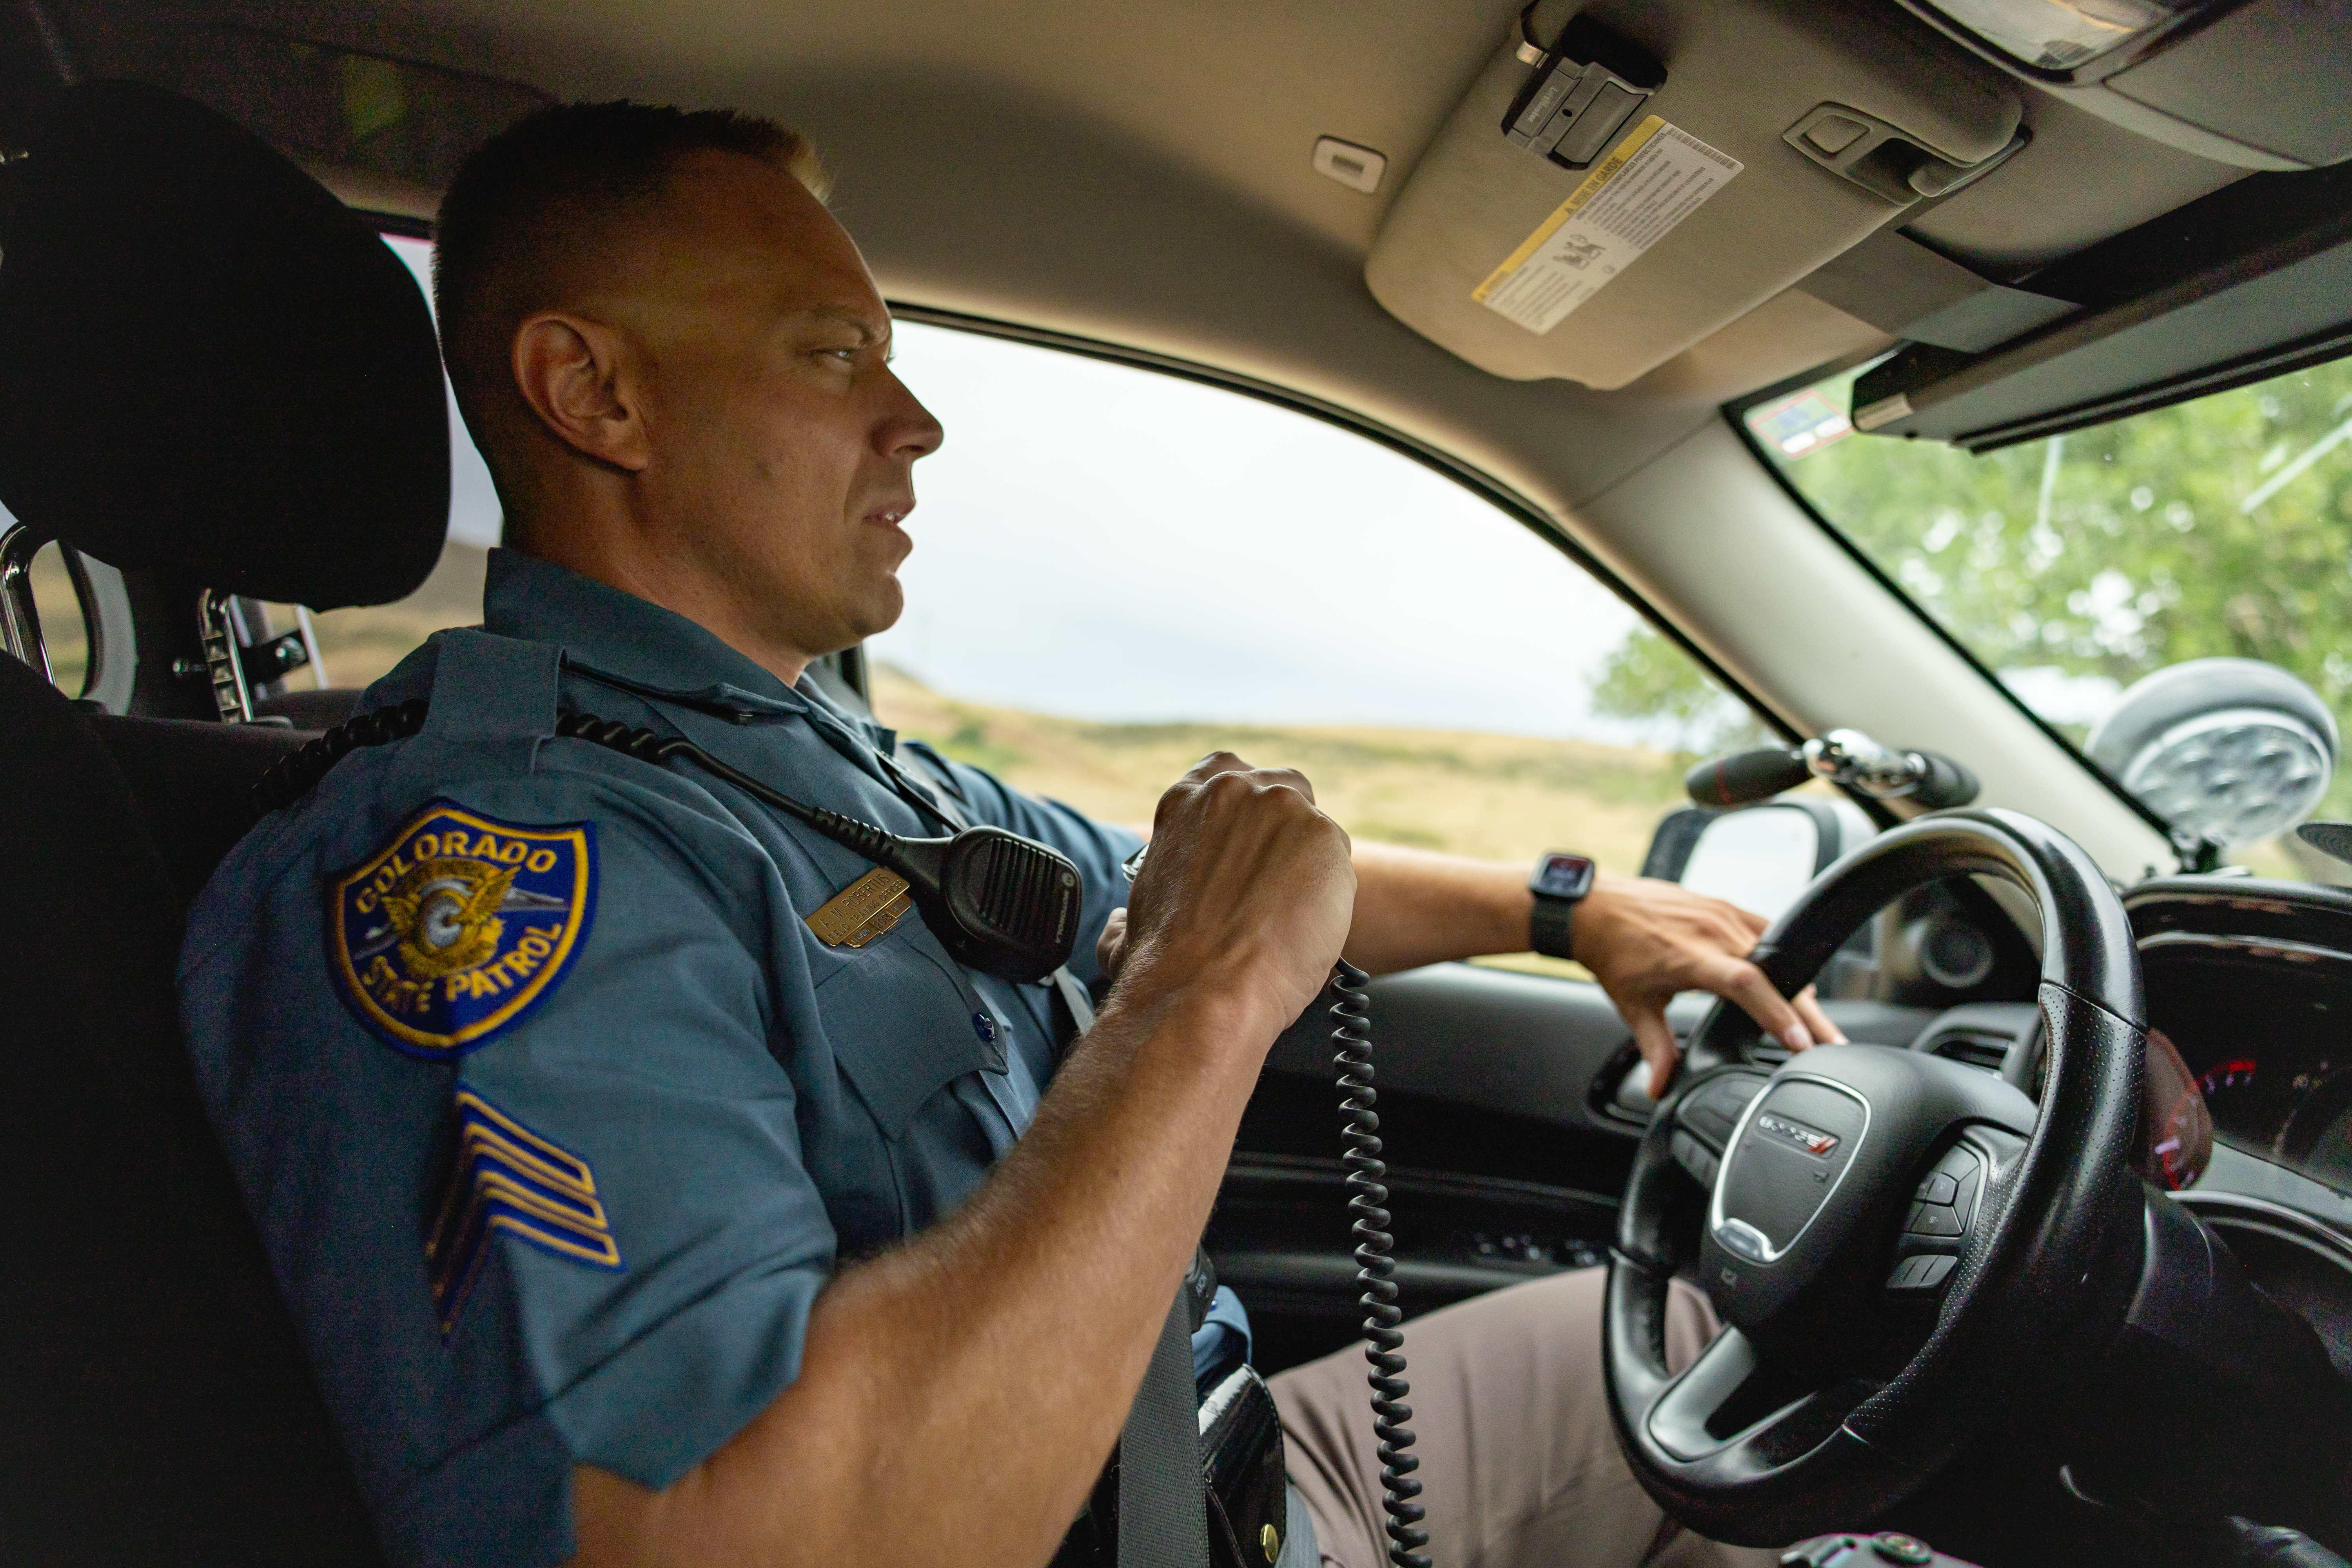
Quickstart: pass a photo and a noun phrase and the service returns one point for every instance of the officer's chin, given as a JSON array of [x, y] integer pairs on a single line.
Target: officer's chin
[[879, 610]]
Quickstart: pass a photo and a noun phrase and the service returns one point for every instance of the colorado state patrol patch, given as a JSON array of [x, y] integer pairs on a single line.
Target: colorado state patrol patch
[[459, 926]]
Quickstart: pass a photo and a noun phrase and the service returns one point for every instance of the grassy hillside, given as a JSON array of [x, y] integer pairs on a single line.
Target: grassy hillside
[[363, 642], [1505, 796]]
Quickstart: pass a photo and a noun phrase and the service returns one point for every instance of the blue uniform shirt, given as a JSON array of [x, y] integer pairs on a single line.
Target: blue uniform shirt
[[552, 1110]]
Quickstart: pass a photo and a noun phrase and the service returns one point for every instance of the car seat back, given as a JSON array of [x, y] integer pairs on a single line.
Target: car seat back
[[211, 373], [155, 1403]]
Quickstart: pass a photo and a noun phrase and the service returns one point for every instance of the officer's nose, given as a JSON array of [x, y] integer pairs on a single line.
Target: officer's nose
[[909, 431]]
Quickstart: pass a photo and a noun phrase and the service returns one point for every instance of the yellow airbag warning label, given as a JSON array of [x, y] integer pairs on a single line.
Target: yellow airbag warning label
[[1653, 180]]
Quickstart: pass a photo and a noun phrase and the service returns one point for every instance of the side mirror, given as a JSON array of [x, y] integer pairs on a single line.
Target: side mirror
[[2231, 750], [1757, 857]]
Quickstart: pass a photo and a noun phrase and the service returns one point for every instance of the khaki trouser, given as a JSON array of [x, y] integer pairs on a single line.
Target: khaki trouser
[[1518, 1464]]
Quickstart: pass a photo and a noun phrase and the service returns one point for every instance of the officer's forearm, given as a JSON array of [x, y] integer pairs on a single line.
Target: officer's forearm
[[959, 1394], [1414, 907]]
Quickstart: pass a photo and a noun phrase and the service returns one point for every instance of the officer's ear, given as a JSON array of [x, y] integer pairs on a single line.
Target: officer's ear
[[569, 370]]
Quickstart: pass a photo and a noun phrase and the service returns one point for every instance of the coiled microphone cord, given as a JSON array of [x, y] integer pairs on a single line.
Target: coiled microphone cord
[[1368, 1196]]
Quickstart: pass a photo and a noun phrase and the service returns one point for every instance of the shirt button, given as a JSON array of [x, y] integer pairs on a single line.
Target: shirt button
[[985, 1027]]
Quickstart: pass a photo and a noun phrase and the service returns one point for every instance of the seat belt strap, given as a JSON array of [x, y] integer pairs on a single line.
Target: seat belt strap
[[1164, 1517], [1074, 997], [1163, 1510]]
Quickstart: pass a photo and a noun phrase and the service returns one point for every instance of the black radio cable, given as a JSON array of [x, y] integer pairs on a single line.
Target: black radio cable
[[1368, 1196], [998, 902]]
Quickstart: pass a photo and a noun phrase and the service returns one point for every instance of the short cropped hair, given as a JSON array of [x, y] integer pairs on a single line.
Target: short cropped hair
[[537, 183]]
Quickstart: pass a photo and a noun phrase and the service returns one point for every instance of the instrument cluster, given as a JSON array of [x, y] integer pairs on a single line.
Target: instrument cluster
[[2253, 988]]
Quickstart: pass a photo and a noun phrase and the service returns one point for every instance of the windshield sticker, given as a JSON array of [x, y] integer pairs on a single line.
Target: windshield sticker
[[1656, 177], [1800, 425]]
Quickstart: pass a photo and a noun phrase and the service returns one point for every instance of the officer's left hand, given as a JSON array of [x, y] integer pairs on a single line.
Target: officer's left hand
[[1646, 939], [1111, 948]]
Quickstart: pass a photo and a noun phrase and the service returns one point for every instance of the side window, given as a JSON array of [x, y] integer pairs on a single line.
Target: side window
[[359, 644], [1116, 572]]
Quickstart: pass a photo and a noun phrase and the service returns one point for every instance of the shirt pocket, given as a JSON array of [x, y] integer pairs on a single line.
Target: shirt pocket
[[902, 1028]]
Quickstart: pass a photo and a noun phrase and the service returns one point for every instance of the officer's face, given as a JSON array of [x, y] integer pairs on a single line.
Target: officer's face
[[782, 446]]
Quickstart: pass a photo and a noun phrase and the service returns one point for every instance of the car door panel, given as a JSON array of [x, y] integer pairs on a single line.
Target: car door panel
[[1509, 1112], [1499, 1169]]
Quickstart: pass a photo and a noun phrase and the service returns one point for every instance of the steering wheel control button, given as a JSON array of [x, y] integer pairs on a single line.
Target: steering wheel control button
[[1715, 1109], [1922, 1271], [1965, 1203], [1938, 1188], [1696, 1158], [1909, 1550], [1960, 1163], [1934, 1219]]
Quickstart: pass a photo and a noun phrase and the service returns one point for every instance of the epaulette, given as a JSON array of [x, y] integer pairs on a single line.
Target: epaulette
[[294, 775]]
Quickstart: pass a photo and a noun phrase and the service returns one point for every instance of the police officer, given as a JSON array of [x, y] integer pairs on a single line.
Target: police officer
[[647, 1184]]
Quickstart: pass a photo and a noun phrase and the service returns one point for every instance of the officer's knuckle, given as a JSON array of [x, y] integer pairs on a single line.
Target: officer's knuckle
[[1228, 790]]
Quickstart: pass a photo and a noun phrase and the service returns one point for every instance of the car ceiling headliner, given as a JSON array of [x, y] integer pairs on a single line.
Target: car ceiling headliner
[[1138, 175]]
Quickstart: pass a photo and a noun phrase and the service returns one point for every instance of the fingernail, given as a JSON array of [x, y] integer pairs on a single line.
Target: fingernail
[[1797, 1038]]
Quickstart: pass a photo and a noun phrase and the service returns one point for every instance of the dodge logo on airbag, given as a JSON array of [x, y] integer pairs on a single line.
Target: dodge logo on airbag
[[1812, 1140]]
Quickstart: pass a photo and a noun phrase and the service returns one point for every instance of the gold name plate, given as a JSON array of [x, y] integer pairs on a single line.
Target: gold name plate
[[862, 911]]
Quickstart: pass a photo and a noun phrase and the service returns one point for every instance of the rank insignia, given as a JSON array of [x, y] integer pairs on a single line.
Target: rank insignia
[[459, 926], [502, 1176]]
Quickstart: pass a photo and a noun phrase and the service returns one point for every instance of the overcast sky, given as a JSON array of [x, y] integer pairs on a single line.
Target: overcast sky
[[1113, 543], [1110, 544]]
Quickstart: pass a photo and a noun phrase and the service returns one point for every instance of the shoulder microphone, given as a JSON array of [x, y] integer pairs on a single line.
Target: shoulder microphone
[[999, 903]]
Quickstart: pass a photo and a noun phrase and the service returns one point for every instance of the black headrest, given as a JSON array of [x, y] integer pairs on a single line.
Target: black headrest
[[208, 366]]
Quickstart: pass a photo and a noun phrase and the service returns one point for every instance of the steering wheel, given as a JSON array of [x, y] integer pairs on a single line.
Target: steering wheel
[[1902, 1248]]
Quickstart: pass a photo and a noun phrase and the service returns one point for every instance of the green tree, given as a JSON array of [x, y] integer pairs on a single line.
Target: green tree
[[1647, 677], [2222, 526]]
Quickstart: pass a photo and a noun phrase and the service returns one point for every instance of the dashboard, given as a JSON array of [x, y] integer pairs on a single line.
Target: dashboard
[[2252, 983], [2266, 1042], [2250, 980]]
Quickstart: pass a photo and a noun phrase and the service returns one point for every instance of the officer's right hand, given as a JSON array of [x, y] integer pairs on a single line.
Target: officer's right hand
[[1248, 890]]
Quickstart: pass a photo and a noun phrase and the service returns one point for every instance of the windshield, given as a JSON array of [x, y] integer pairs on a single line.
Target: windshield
[[2078, 566]]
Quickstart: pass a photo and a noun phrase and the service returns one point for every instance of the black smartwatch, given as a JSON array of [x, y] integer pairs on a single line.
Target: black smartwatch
[[1559, 883]]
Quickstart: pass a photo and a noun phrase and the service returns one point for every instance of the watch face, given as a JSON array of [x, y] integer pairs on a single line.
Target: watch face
[[1564, 876]]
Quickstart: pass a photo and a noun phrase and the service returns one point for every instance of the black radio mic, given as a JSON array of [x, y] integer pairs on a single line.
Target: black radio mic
[[999, 903]]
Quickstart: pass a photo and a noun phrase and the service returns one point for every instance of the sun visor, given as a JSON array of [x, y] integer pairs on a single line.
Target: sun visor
[[1744, 145]]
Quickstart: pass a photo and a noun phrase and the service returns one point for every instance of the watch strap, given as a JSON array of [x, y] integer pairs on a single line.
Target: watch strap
[[1549, 926], [1559, 884]]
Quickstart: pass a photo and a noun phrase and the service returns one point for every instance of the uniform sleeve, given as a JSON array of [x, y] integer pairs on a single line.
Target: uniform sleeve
[[617, 1225], [1099, 848]]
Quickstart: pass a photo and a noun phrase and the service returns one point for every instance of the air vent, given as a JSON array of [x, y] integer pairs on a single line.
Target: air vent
[[1988, 1052]]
